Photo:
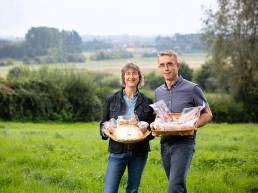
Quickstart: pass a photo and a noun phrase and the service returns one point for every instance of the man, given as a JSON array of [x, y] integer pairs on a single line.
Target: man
[[177, 150]]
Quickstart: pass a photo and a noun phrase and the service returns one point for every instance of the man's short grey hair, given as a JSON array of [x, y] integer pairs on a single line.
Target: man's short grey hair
[[134, 67], [168, 53]]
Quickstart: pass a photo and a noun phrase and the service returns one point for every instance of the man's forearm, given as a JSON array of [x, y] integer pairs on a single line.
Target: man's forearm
[[204, 118]]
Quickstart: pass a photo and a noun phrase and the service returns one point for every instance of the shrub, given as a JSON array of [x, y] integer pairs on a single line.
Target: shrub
[[83, 101], [77, 58], [186, 71], [226, 109], [153, 80], [6, 100], [111, 54], [18, 72], [49, 94], [149, 54], [7, 62], [204, 77]]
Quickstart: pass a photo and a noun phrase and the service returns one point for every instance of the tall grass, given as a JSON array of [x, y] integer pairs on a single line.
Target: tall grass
[[62, 158]]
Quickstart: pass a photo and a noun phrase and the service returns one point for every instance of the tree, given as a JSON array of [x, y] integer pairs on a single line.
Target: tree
[[180, 43], [231, 33], [40, 39], [204, 77], [71, 42], [186, 71], [9, 49]]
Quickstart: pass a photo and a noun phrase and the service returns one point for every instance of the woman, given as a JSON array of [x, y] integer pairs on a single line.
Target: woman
[[127, 102]]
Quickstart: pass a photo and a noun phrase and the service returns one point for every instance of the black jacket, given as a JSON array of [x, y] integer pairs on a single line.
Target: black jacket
[[115, 106]]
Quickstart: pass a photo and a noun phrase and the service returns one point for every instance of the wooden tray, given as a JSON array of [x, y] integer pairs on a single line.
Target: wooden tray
[[185, 131], [128, 140]]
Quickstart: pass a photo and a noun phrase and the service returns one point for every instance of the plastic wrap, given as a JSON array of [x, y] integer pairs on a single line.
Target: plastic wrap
[[126, 130], [183, 123]]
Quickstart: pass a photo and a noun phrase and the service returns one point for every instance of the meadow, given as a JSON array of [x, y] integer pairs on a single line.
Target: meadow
[[194, 60], [71, 158]]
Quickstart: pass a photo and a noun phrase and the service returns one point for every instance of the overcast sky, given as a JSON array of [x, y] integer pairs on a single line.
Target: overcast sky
[[104, 17]]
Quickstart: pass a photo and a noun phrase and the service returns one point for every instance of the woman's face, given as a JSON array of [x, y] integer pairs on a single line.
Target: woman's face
[[131, 78]]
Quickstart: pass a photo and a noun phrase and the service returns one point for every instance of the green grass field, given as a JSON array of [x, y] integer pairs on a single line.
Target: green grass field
[[194, 60], [71, 158]]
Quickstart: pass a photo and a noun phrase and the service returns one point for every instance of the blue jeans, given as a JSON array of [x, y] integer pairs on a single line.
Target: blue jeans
[[117, 164], [176, 158]]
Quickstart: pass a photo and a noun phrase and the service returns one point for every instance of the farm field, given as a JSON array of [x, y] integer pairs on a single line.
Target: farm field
[[71, 158], [194, 60]]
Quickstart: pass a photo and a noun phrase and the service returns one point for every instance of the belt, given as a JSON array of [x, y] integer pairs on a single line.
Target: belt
[[128, 146]]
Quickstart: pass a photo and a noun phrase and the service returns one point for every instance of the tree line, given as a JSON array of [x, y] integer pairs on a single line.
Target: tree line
[[45, 45], [49, 45]]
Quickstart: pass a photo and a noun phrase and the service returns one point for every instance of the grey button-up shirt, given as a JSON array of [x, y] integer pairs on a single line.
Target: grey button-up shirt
[[183, 94]]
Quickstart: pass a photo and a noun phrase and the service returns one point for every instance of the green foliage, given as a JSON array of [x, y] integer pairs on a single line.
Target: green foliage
[[101, 55], [111, 54], [149, 54], [40, 39], [232, 36], [70, 42], [18, 72], [226, 109], [186, 71], [55, 57], [187, 43], [65, 158], [153, 80], [52, 94], [7, 62], [31, 100], [84, 104], [9, 49], [205, 77], [95, 45], [72, 95]]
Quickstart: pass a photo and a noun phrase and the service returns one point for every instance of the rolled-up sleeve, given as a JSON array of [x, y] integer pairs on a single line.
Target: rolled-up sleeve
[[199, 97]]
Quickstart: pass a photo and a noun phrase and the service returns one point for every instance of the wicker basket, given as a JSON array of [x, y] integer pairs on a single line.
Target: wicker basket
[[185, 131], [112, 136]]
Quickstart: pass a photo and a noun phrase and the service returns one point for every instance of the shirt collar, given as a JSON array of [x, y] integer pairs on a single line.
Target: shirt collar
[[135, 95], [178, 81]]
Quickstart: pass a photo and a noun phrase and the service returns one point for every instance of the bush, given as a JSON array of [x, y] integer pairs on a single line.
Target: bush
[[6, 100], [7, 62], [49, 94], [204, 77], [149, 54], [153, 80], [83, 101], [101, 55], [55, 58], [77, 58], [18, 72], [186, 71], [226, 109], [111, 54], [36, 100]]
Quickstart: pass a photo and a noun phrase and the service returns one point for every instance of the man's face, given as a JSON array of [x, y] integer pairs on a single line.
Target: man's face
[[169, 67]]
